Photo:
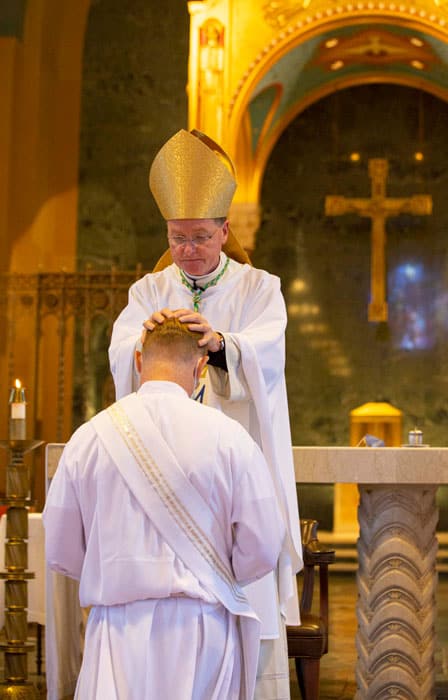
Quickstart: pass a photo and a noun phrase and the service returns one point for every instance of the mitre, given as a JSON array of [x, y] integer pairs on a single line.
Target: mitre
[[191, 177]]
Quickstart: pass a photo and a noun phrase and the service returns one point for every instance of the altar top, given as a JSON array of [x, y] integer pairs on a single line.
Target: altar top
[[371, 465], [349, 465]]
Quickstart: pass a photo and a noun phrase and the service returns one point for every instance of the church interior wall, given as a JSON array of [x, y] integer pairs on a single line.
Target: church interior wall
[[132, 96], [118, 223], [133, 99], [336, 359], [117, 215], [41, 144], [8, 47], [40, 62]]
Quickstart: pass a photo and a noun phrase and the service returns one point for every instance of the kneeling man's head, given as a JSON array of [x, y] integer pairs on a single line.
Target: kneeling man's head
[[171, 352]]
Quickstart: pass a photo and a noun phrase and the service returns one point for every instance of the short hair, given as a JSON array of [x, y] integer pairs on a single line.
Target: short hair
[[173, 339]]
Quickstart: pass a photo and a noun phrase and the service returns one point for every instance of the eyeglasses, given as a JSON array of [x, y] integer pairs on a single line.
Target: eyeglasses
[[200, 239]]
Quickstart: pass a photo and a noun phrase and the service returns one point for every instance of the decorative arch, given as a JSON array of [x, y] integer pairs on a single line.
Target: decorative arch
[[309, 26], [251, 165], [260, 35], [266, 147]]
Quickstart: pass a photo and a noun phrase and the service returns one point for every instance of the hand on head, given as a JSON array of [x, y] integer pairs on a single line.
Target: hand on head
[[171, 352], [199, 324], [195, 321], [156, 317]]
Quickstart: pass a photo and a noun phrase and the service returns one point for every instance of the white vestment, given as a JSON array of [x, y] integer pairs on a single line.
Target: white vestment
[[155, 629], [247, 307]]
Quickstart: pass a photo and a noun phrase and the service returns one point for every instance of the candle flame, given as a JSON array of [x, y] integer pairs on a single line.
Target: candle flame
[[18, 384]]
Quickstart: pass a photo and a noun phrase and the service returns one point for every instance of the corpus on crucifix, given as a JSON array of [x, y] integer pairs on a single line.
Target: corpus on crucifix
[[378, 208]]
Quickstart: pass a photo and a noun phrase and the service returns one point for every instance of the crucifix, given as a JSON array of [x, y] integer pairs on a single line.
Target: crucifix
[[378, 208]]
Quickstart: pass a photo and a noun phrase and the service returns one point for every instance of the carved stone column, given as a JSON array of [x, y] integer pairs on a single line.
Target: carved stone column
[[245, 222], [397, 581]]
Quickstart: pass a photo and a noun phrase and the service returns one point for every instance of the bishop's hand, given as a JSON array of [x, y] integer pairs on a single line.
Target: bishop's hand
[[157, 317], [199, 324]]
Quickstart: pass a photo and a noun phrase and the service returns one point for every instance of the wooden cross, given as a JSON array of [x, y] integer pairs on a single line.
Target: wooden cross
[[378, 208]]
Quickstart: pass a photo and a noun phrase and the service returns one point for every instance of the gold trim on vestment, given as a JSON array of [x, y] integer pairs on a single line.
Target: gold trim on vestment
[[182, 517]]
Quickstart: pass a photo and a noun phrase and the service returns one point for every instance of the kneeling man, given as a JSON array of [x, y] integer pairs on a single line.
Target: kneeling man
[[163, 508]]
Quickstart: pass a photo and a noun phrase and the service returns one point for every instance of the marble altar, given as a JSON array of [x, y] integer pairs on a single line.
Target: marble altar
[[397, 547]]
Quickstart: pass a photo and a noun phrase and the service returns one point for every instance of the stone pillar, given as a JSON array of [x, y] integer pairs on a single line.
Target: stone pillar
[[396, 606], [245, 221]]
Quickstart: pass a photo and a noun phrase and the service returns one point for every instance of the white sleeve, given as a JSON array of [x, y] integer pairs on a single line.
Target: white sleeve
[[231, 384], [262, 327], [258, 526], [62, 517]]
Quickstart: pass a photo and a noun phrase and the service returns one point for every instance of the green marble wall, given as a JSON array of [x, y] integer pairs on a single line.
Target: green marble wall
[[133, 99], [12, 13], [336, 359]]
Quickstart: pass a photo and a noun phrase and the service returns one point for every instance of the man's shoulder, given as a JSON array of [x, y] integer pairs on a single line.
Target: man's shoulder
[[216, 420], [255, 275], [153, 278], [81, 432], [81, 441]]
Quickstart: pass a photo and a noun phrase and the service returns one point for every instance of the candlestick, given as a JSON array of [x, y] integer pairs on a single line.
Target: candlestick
[[17, 416], [15, 645]]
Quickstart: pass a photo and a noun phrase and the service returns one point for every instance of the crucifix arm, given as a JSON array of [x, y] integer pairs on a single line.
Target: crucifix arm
[[337, 206], [418, 204]]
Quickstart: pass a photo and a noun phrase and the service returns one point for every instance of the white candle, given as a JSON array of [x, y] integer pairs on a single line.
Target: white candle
[[17, 422], [18, 410]]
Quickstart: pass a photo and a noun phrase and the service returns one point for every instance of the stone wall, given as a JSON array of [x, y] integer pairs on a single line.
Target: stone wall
[[133, 99], [336, 359]]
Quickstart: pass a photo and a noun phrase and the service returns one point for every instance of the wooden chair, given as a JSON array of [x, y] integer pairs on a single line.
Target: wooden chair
[[308, 642]]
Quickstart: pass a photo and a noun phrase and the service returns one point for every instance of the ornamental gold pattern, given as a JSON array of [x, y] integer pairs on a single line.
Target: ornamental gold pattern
[[190, 178]]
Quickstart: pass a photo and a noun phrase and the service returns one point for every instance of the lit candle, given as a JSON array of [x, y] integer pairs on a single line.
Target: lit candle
[[17, 416]]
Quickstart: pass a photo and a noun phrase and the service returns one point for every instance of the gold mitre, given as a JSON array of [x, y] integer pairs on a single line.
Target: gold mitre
[[191, 177]]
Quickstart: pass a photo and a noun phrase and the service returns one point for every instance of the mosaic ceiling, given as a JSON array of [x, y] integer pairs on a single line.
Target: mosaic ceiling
[[349, 55]]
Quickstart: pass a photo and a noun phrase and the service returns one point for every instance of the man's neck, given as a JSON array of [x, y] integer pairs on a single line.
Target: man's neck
[[173, 375], [203, 279]]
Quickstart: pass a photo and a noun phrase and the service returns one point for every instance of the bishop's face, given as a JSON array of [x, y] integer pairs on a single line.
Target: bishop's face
[[195, 244]]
